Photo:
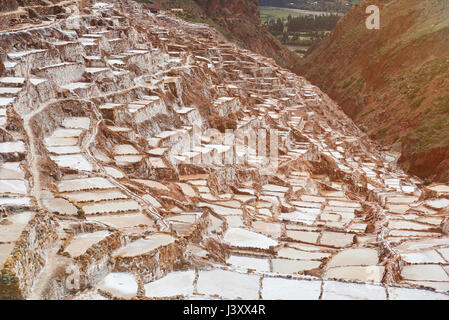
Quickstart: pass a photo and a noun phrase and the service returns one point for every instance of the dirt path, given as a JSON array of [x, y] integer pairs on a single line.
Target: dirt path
[[33, 155], [164, 224]]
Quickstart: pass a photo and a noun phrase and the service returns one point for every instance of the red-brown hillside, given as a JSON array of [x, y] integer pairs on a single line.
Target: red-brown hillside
[[394, 82]]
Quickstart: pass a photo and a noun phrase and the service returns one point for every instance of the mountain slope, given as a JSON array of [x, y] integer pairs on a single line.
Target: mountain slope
[[238, 20], [394, 82]]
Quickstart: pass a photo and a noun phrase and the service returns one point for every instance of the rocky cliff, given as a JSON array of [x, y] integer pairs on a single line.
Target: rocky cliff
[[238, 20], [394, 82]]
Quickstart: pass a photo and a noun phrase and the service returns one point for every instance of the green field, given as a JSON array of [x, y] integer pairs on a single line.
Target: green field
[[269, 13]]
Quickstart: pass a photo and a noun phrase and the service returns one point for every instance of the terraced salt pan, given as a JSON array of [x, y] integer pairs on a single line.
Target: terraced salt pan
[[242, 238], [266, 202], [98, 195], [152, 184], [258, 264], [5, 101], [424, 272], [303, 236], [330, 217], [13, 186], [243, 197], [84, 241], [290, 253], [11, 170], [265, 212], [274, 188], [124, 149], [305, 216], [157, 162], [65, 150], [356, 273], [145, 245], [402, 199], [440, 188], [202, 183], [111, 206], [430, 256], [397, 293], [438, 204], [287, 266], [290, 289], [12, 226], [59, 142], [12, 147], [230, 203], [234, 221], [128, 159], [430, 220], [336, 239], [304, 204], [203, 189], [152, 200], [436, 285], [346, 204], [84, 184], [187, 189], [333, 290], [228, 284], [414, 245], [173, 284], [221, 210], [270, 229], [60, 206], [120, 285], [397, 208], [115, 173], [66, 133], [158, 151], [123, 221], [408, 225], [354, 257], [22, 201], [336, 194], [76, 85], [73, 161], [445, 253], [309, 198], [186, 218], [76, 123], [407, 233]]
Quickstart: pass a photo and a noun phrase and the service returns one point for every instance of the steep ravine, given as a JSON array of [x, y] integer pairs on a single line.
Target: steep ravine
[[394, 82]]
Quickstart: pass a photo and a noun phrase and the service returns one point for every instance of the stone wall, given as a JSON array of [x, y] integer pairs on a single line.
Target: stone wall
[[8, 5], [27, 258]]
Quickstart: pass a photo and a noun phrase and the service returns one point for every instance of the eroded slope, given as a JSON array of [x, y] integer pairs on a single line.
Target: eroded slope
[[394, 81]]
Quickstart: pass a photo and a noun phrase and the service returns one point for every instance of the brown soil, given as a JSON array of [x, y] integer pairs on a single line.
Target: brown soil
[[393, 81]]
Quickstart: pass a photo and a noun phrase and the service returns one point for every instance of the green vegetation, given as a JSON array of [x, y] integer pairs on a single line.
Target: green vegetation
[[316, 5], [433, 130], [348, 82], [383, 131], [368, 112], [302, 31], [417, 103], [267, 14]]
